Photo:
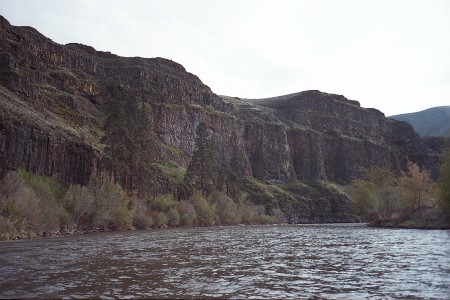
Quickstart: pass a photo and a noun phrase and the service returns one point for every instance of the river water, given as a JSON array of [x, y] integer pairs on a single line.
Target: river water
[[303, 261]]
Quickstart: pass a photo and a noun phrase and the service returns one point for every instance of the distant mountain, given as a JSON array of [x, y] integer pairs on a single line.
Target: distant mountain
[[434, 121]]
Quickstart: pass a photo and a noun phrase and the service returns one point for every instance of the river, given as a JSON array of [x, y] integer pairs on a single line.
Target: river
[[302, 261]]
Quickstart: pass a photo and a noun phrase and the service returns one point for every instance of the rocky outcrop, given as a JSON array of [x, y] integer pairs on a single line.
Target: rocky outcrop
[[321, 136], [28, 147], [54, 99]]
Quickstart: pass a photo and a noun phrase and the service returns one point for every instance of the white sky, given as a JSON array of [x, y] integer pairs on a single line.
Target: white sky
[[393, 55]]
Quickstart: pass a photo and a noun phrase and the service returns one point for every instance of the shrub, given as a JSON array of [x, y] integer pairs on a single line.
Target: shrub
[[380, 196], [101, 204], [265, 219], [37, 205], [226, 209], [160, 218], [141, 220], [110, 209], [173, 217], [251, 213], [187, 213], [44, 187], [362, 198], [31, 202], [79, 204], [205, 211], [7, 229], [162, 203], [277, 216], [375, 197]]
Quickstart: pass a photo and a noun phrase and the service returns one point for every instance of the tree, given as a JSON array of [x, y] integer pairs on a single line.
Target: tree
[[144, 151], [444, 184], [203, 171], [380, 196], [361, 192], [418, 187], [130, 144], [115, 137], [375, 196], [235, 169], [383, 184]]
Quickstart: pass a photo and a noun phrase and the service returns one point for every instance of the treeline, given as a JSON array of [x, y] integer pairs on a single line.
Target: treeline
[[411, 199], [32, 206]]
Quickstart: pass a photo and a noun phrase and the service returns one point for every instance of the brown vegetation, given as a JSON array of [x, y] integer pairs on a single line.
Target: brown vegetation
[[410, 200], [35, 206]]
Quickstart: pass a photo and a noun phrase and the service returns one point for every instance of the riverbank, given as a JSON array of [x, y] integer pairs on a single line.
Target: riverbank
[[406, 224], [413, 224], [27, 235]]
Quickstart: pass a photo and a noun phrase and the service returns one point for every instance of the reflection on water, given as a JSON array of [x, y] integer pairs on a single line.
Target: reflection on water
[[304, 261]]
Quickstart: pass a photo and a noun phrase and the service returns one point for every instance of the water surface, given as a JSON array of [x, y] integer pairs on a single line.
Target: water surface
[[303, 261]]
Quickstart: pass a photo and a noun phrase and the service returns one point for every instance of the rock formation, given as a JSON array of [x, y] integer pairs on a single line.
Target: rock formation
[[53, 102]]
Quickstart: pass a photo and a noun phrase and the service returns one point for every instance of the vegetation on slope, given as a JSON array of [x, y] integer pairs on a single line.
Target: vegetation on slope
[[205, 194], [34, 206], [411, 200], [49, 118]]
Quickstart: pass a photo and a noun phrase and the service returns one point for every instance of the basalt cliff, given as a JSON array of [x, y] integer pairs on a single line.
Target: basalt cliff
[[54, 100]]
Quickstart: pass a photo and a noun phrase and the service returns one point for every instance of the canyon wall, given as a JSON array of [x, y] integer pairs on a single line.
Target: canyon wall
[[54, 100]]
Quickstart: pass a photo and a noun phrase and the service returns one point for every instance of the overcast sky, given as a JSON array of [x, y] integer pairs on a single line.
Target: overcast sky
[[392, 55]]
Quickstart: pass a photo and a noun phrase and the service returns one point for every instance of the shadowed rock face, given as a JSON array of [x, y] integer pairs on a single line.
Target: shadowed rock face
[[55, 94], [28, 147], [329, 137], [53, 100]]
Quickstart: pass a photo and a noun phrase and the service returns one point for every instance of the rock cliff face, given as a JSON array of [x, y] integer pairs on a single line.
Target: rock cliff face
[[28, 147], [53, 100], [318, 136], [331, 137]]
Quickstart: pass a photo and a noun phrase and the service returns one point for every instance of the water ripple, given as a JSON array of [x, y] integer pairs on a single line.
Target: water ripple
[[308, 261]]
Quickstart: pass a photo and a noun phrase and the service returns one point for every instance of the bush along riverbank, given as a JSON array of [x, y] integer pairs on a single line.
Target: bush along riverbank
[[425, 218], [34, 206], [412, 200]]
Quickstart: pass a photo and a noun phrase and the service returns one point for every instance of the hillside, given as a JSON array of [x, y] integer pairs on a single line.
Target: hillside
[[69, 111], [434, 121]]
